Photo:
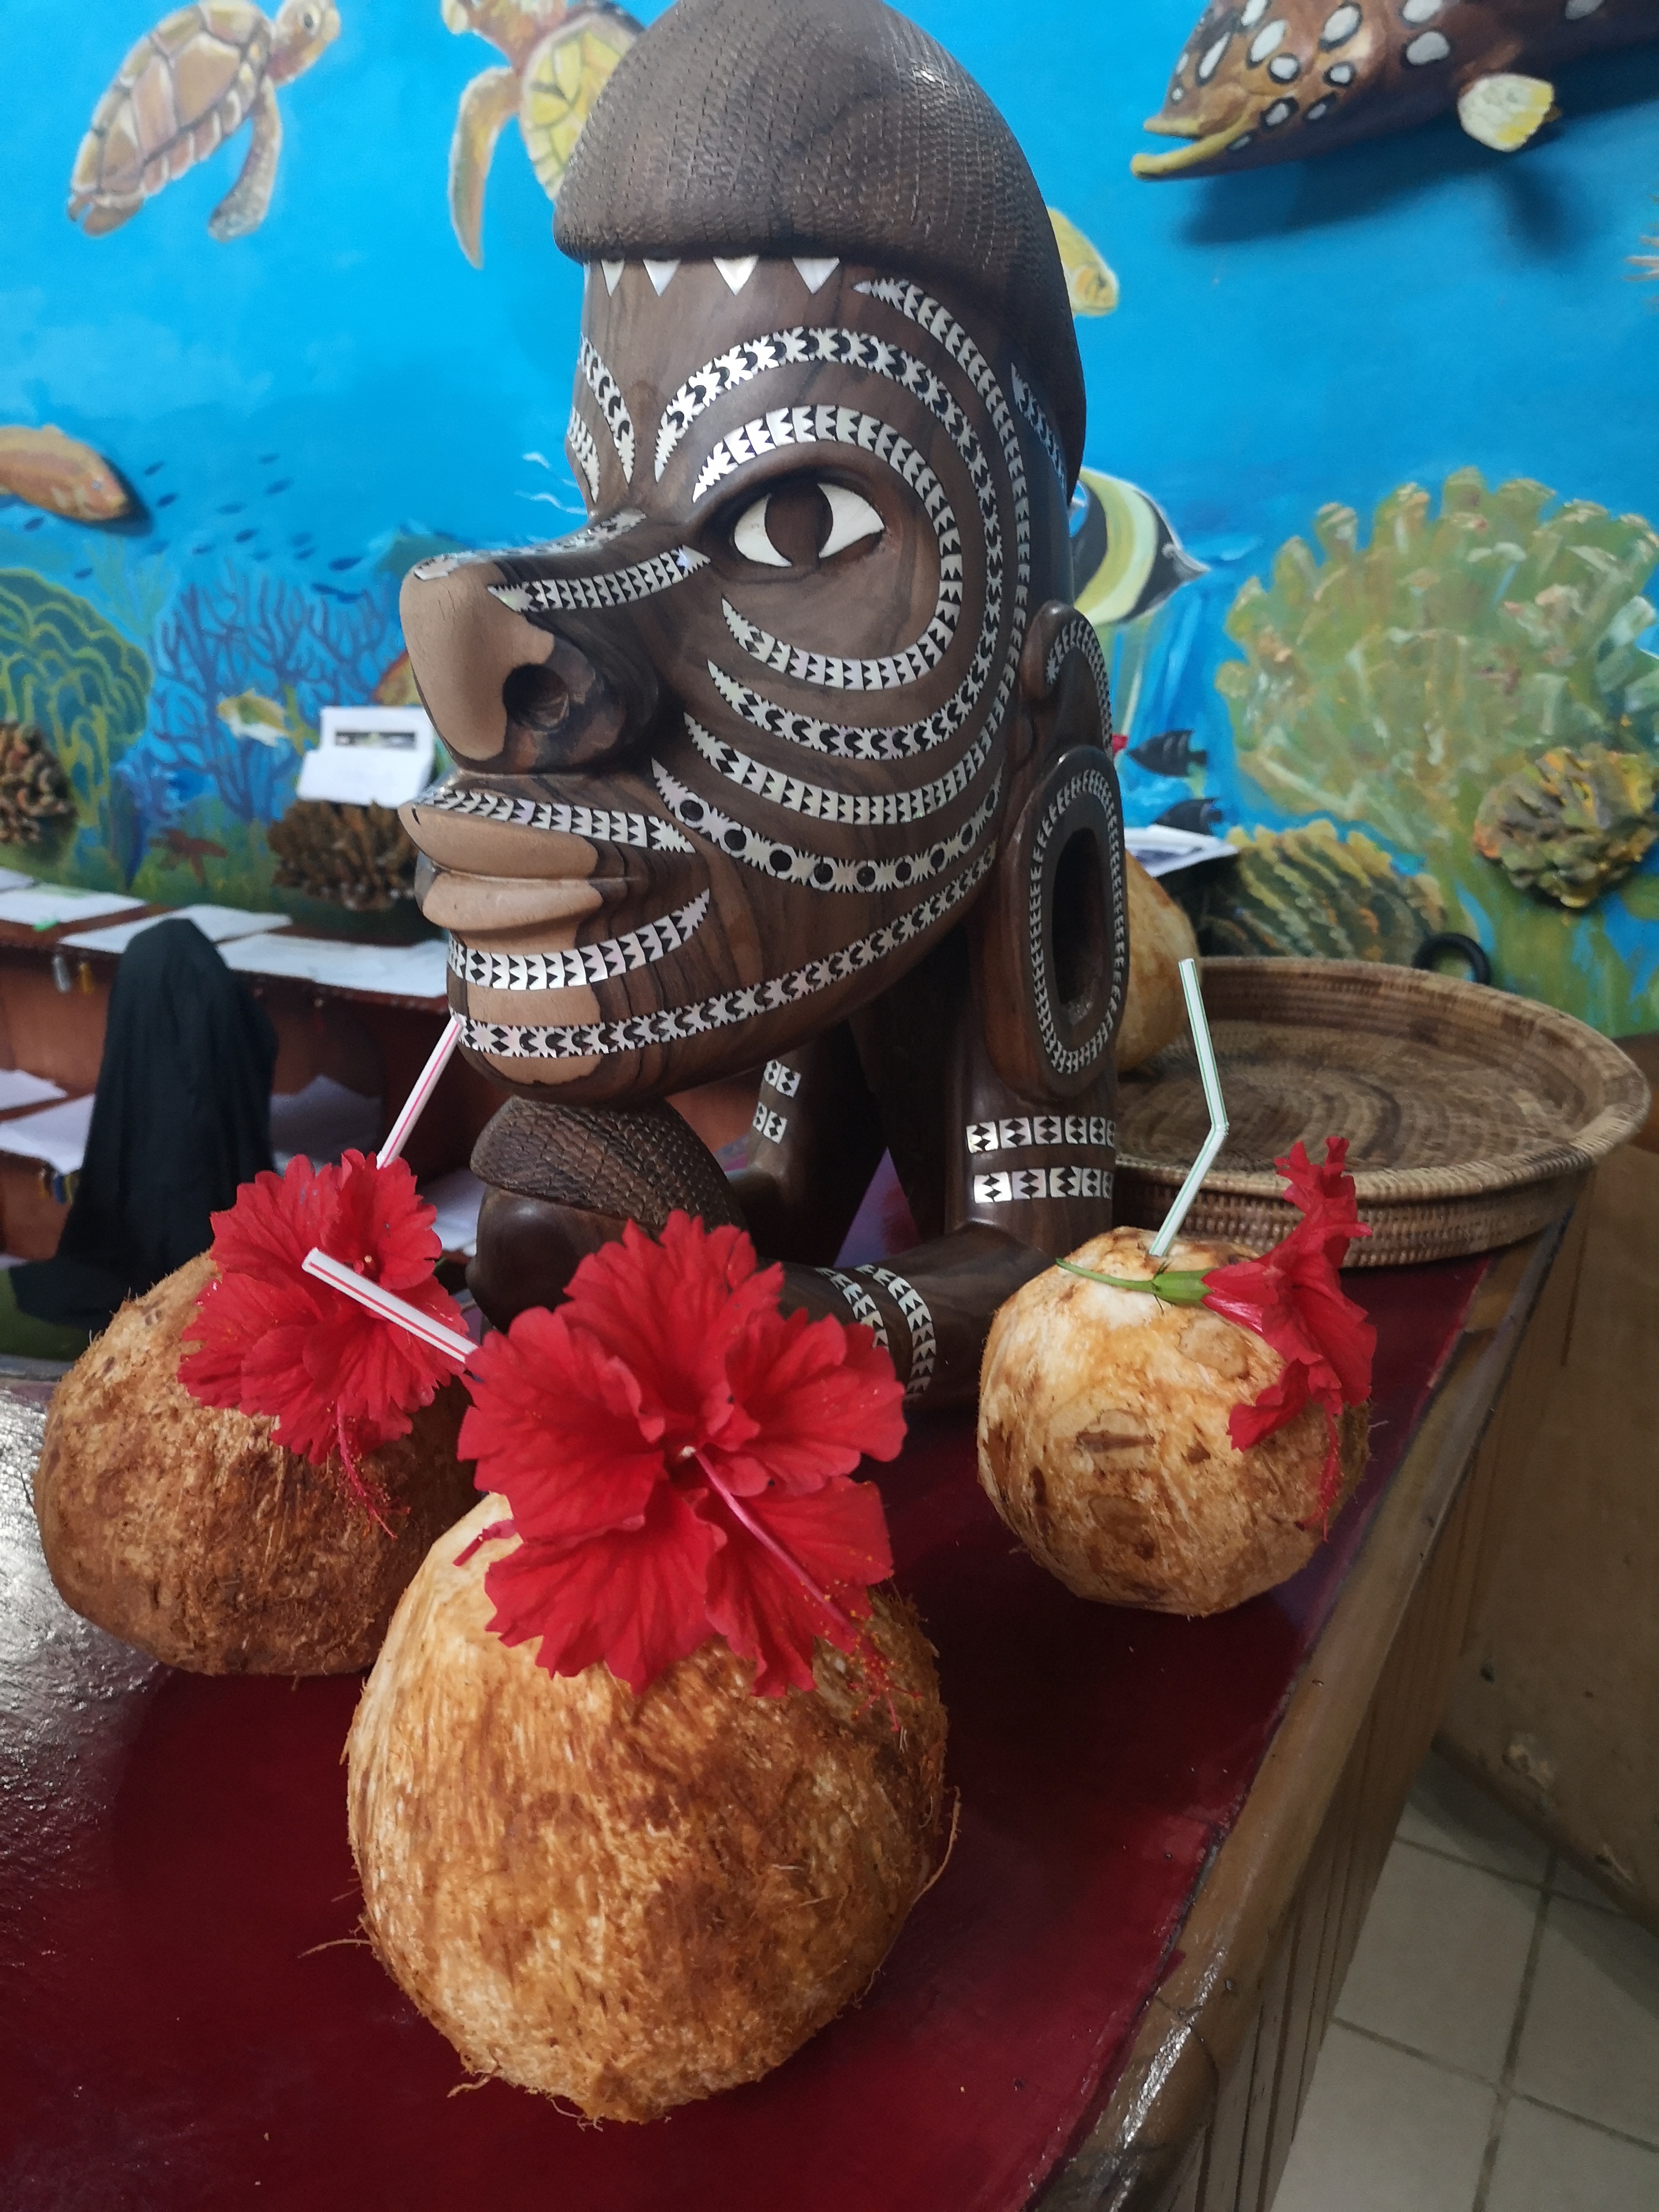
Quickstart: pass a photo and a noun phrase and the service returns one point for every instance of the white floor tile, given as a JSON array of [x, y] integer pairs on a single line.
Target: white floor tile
[[1446, 1812], [1567, 1881], [1384, 2132], [1440, 1959], [1591, 2039], [1546, 2163]]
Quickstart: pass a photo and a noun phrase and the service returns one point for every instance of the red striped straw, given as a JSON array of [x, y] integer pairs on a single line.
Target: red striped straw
[[388, 1305], [414, 1104]]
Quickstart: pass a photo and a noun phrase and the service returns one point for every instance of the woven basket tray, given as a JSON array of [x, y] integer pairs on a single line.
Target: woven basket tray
[[1473, 1117]]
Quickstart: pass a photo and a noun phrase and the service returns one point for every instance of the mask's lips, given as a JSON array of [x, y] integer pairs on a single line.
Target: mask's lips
[[473, 903], [1198, 149], [477, 845]]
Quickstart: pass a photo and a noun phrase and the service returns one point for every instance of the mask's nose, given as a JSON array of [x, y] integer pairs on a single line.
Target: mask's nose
[[523, 696]]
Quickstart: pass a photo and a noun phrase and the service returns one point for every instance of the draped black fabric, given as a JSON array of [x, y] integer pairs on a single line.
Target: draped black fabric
[[182, 1115]]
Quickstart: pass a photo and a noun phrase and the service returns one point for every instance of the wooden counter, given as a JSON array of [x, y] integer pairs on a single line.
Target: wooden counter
[[1114, 1996]]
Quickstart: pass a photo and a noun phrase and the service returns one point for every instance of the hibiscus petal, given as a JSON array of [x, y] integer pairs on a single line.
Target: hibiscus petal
[[633, 1599], [837, 1535], [819, 1397]]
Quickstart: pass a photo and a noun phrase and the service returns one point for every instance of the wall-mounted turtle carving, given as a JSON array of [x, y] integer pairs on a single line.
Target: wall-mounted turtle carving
[[186, 87]]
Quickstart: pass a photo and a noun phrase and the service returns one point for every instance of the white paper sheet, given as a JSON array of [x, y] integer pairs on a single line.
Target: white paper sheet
[[47, 904], [13, 879], [218, 924], [1161, 851], [57, 1135], [370, 756], [403, 971], [19, 1088], [458, 1197]]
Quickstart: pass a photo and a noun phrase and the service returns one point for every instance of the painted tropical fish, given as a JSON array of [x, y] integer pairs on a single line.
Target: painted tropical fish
[[255, 718], [187, 85], [44, 469], [1126, 556], [560, 58], [1090, 286], [178, 850], [1266, 81]]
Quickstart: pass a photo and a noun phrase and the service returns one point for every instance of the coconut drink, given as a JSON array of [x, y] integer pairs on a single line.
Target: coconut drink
[[243, 1473], [649, 1774], [1176, 1431]]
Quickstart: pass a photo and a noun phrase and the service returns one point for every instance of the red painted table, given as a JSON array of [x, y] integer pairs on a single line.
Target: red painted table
[[186, 2023]]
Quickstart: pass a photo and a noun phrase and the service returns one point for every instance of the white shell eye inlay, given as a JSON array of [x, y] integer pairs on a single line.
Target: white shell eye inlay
[[1432, 46], [1340, 26], [749, 537], [851, 518], [1268, 40]]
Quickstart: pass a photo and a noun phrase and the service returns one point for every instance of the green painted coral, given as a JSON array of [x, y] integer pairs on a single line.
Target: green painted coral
[[1569, 823], [66, 669], [1315, 895], [1390, 684]]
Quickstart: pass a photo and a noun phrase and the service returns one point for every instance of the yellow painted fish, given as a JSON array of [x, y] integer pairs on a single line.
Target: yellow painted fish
[[1089, 284], [1265, 81], [44, 469], [259, 720]]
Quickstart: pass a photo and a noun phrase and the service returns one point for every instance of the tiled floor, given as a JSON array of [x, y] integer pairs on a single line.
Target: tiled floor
[[1496, 2045]]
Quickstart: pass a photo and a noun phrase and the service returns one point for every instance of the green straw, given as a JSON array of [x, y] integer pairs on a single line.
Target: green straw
[[1211, 1077]]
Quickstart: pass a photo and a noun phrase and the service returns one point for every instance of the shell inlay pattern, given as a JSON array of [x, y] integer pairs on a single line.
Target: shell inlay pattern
[[801, 347], [618, 587], [1031, 408], [1070, 1060], [859, 1303], [614, 408], [845, 426], [819, 871], [1077, 634], [601, 825], [585, 963], [918, 1319], [670, 1024], [599, 533], [1017, 1184], [862, 809], [585, 453], [1034, 1132], [769, 1123], [782, 1077]]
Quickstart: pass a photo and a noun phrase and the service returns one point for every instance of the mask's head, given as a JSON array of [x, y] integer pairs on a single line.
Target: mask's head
[[735, 755]]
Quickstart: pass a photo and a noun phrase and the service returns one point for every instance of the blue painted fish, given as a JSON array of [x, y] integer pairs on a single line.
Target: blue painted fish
[[1263, 81]]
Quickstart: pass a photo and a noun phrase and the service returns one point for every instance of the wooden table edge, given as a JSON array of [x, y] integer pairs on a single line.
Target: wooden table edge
[[1194, 2026]]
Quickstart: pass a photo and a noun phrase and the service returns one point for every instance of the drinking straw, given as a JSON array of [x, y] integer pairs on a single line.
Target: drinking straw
[[426, 1083], [1209, 1075], [388, 1305]]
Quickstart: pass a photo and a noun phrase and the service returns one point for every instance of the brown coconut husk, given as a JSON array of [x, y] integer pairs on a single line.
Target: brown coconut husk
[[185, 1531], [1160, 938], [1103, 1443], [633, 1902]]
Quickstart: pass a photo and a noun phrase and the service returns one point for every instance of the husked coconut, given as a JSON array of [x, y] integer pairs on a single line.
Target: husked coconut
[[186, 1531], [1160, 938], [632, 1901], [1103, 1438]]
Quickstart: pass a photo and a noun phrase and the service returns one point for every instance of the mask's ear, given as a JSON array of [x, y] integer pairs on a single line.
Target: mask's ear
[[1051, 939]]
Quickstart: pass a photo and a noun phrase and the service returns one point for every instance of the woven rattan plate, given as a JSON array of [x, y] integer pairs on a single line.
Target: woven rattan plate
[[1473, 1117]]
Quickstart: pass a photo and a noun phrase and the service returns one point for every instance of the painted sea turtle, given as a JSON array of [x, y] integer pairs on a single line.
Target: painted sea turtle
[[186, 86], [560, 59]]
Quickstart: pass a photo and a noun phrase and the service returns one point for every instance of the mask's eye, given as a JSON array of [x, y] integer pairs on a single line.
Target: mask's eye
[[802, 522]]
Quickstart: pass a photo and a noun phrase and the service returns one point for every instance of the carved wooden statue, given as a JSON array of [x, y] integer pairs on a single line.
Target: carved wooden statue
[[796, 755]]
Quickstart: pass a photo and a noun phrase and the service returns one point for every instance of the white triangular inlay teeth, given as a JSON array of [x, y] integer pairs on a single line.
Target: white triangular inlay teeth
[[817, 274], [613, 271], [738, 273], [661, 274]]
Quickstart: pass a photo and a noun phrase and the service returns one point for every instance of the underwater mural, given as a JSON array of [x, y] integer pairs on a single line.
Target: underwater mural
[[340, 340]]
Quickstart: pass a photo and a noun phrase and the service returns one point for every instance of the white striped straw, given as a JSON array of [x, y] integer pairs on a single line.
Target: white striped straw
[[388, 1306], [1209, 1076], [426, 1083]]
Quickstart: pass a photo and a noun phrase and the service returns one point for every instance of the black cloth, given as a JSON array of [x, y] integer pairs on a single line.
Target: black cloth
[[182, 1115]]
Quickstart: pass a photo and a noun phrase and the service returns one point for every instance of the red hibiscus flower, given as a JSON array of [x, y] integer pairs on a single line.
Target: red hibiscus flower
[[1292, 1298], [273, 1340], [677, 1453]]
